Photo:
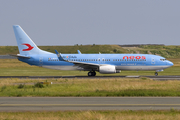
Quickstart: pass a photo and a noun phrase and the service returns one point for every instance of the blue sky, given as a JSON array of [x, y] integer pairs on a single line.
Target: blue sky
[[70, 22]]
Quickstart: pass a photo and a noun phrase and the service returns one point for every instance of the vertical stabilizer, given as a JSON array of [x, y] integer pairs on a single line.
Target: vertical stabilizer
[[25, 44]]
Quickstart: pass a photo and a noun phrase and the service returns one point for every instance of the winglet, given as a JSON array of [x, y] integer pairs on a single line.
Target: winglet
[[59, 56], [79, 52], [57, 53]]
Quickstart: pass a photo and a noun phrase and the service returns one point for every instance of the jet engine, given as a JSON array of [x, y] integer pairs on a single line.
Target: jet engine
[[108, 69]]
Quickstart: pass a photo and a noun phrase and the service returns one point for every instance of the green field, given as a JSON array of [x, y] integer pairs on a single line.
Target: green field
[[93, 115], [84, 87], [89, 87], [164, 51], [69, 49]]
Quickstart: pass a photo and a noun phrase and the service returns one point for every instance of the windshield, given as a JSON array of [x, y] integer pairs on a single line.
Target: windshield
[[162, 59]]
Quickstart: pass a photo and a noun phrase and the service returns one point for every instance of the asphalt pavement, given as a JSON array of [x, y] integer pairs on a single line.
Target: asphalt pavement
[[88, 103]]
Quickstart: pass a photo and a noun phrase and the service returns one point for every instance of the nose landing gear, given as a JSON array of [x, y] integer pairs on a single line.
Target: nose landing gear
[[156, 73], [92, 73]]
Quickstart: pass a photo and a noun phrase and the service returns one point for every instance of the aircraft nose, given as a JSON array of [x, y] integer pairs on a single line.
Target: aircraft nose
[[170, 63]]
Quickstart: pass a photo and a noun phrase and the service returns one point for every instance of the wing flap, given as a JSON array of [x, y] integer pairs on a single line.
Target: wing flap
[[85, 65]]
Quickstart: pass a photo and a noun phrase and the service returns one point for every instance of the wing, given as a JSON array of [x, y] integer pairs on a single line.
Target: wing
[[84, 65]]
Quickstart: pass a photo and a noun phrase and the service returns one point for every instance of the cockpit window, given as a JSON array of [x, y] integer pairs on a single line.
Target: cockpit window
[[162, 59]]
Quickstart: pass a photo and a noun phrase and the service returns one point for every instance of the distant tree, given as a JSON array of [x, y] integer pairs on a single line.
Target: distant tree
[[115, 50]]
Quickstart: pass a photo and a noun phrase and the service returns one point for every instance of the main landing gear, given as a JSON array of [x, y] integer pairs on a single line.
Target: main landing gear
[[92, 73], [156, 73]]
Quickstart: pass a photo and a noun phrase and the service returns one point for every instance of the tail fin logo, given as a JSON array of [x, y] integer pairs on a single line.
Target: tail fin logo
[[29, 47]]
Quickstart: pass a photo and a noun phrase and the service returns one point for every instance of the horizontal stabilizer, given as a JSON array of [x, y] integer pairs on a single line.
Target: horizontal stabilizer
[[21, 56]]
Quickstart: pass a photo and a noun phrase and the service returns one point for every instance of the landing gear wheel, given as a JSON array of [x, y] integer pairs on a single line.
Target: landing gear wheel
[[89, 73], [156, 74], [92, 73]]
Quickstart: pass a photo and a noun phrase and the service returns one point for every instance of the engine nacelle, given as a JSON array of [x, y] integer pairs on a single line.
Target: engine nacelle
[[108, 69]]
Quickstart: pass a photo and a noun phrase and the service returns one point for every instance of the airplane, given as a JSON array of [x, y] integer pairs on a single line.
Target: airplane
[[102, 63]]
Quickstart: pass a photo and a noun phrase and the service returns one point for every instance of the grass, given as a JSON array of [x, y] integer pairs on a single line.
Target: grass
[[84, 87], [164, 51], [90, 87], [94, 115], [69, 49]]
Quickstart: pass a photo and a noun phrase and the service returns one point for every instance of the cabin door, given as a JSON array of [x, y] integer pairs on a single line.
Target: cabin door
[[152, 61], [40, 61]]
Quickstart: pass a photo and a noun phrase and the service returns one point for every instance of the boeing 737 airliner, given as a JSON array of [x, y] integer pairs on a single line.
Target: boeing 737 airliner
[[102, 63]]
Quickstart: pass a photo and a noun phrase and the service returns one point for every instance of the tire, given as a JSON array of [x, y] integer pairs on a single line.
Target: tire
[[89, 73], [156, 74], [92, 73]]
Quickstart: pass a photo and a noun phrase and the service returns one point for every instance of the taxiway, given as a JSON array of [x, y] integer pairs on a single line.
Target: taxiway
[[87, 103]]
